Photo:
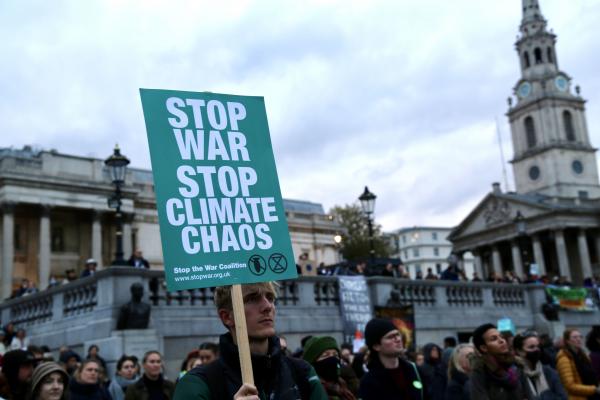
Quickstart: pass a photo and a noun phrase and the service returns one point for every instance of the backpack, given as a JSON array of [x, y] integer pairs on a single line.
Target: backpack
[[213, 375]]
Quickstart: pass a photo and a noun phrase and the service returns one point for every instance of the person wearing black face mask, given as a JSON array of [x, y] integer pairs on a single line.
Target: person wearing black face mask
[[323, 353], [542, 381]]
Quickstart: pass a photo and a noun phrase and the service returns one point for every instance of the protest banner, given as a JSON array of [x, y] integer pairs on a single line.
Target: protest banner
[[219, 204], [574, 299], [403, 318], [355, 305], [506, 325]]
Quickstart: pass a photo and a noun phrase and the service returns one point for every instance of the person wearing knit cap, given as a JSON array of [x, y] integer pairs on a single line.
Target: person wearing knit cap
[[49, 382], [494, 373], [17, 367], [389, 376], [323, 353]]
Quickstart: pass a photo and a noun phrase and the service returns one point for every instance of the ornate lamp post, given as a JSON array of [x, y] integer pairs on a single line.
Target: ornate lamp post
[[367, 202], [338, 246], [117, 164]]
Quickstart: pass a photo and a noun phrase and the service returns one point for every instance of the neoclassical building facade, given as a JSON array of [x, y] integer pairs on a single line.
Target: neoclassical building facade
[[55, 215], [551, 224]]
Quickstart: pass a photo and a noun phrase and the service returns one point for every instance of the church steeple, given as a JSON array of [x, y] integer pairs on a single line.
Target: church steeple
[[536, 46], [552, 150], [532, 15]]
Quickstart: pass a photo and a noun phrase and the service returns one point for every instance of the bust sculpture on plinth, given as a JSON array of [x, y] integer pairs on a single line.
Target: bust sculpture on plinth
[[135, 314]]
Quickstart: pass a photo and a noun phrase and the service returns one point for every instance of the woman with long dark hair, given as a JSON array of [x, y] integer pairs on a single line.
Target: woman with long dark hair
[[542, 381], [575, 369]]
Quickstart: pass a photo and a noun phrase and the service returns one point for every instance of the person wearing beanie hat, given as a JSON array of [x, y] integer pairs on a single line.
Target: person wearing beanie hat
[[494, 373], [376, 329], [389, 376], [17, 367], [323, 353], [49, 382]]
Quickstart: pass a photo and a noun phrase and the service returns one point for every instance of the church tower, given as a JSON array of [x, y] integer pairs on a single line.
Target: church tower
[[552, 150]]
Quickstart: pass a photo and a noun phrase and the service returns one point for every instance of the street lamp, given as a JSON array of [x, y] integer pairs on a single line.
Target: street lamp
[[367, 202], [117, 164], [338, 246]]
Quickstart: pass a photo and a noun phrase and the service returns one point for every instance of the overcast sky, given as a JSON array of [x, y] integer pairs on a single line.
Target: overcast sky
[[401, 96]]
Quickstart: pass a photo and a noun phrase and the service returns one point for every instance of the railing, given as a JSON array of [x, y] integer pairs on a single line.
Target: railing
[[464, 296], [508, 296], [109, 289], [80, 300], [422, 295], [39, 309]]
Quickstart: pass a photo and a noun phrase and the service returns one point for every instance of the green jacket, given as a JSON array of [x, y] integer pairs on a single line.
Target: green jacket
[[273, 376]]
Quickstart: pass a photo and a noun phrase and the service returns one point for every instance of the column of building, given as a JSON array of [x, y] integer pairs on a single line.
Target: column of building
[[538, 254], [515, 248], [8, 249], [584, 254], [97, 237], [44, 248], [127, 244], [478, 264], [496, 260], [561, 253]]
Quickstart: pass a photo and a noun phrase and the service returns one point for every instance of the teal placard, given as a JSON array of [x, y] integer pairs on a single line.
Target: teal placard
[[219, 205]]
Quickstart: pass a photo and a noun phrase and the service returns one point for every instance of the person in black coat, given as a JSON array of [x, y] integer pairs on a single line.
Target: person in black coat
[[434, 371], [138, 261], [389, 376], [458, 373]]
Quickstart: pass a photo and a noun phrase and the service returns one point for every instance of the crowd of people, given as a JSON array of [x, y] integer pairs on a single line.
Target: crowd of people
[[493, 365], [28, 287], [452, 273]]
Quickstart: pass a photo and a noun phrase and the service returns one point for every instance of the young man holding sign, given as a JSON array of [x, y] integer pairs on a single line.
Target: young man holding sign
[[276, 376], [222, 222]]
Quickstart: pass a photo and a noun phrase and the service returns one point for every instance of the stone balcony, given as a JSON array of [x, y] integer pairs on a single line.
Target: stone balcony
[[85, 311]]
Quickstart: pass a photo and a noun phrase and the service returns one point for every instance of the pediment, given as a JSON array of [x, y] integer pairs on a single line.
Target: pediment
[[496, 210]]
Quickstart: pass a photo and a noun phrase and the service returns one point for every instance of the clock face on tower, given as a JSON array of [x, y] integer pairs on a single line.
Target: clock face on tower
[[534, 173], [561, 83], [524, 89]]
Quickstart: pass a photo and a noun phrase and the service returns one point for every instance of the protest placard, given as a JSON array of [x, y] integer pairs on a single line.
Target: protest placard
[[219, 204], [355, 305]]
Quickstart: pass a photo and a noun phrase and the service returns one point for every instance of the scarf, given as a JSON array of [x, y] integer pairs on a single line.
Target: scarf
[[536, 379], [124, 382], [502, 370], [338, 390]]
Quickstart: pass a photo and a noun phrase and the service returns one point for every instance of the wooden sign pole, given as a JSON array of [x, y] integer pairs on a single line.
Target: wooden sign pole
[[241, 333]]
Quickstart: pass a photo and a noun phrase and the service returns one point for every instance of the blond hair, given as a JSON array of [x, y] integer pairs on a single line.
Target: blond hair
[[454, 364], [222, 295]]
